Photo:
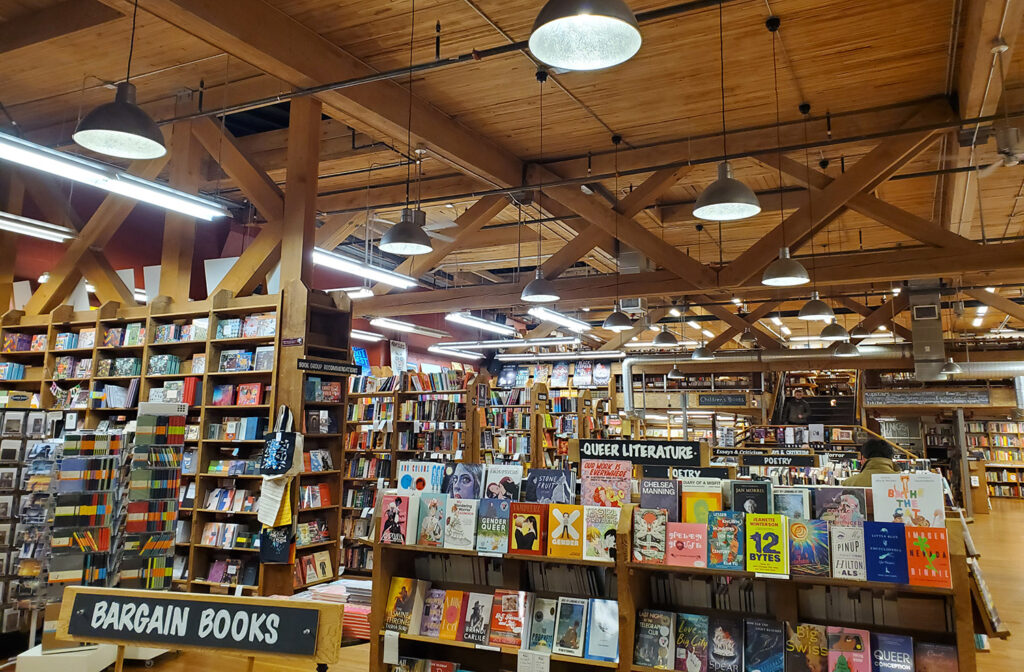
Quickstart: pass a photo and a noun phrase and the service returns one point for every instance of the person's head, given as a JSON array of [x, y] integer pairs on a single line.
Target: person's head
[[876, 448], [529, 524], [798, 393]]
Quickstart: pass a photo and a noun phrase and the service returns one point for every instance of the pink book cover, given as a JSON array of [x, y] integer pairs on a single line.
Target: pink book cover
[[687, 545], [849, 649], [606, 482]]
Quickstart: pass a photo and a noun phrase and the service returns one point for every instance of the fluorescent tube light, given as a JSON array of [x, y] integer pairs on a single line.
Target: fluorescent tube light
[[408, 327], [470, 320], [340, 262], [653, 327], [354, 292], [372, 337], [694, 323], [651, 344], [977, 322], [675, 312], [89, 287], [786, 330], [102, 176], [451, 352], [548, 315], [708, 333], [981, 310], [34, 228], [44, 278], [990, 290], [498, 344], [559, 356], [776, 321], [738, 301], [140, 296]]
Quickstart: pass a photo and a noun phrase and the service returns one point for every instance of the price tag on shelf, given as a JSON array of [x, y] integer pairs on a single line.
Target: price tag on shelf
[[533, 661], [381, 483], [489, 554], [238, 590], [486, 647], [763, 575], [390, 647]]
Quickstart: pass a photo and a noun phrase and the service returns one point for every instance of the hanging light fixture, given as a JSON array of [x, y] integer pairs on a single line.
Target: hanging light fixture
[[748, 339], [785, 272], [675, 373], [540, 289], [702, 354], [122, 128], [846, 349], [858, 333], [951, 368], [617, 321], [834, 332], [816, 309], [665, 338], [726, 199], [585, 34]]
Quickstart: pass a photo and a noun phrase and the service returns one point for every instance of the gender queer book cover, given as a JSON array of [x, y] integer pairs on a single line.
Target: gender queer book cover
[[661, 493], [809, 548], [764, 645], [725, 540], [492, 525], [655, 639], [885, 550], [691, 642], [725, 644], [891, 653]]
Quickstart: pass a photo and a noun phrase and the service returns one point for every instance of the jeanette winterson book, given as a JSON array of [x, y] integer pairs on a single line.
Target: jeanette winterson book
[[661, 493], [492, 525], [699, 497]]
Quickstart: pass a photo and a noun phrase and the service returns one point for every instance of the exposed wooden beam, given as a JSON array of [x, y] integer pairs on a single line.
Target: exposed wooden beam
[[1000, 303], [751, 319], [764, 339], [619, 340], [96, 233], [178, 248], [866, 311], [870, 171], [42, 26], [336, 229], [12, 193], [301, 57], [299, 229], [392, 196], [252, 266], [540, 331]]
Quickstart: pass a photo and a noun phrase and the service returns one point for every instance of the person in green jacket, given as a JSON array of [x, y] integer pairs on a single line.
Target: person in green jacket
[[878, 460]]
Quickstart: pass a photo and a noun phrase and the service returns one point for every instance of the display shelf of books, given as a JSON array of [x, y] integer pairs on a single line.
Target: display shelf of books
[[506, 424], [1002, 444], [560, 415]]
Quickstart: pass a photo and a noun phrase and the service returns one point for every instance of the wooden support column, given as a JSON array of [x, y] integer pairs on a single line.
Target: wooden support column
[[180, 230], [12, 190], [299, 232]]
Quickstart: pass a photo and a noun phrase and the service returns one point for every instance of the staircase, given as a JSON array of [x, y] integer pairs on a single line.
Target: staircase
[[828, 411]]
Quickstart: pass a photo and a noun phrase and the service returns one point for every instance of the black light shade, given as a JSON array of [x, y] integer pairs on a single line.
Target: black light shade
[[585, 34], [121, 129], [407, 237], [618, 322]]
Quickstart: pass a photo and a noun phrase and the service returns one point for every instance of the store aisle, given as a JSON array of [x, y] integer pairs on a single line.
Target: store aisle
[[999, 540]]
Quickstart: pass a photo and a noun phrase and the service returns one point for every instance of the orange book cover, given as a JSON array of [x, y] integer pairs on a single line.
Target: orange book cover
[[508, 616], [565, 530], [928, 557], [453, 616]]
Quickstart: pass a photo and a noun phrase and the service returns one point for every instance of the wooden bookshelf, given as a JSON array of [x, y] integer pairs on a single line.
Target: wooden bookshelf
[[1002, 443]]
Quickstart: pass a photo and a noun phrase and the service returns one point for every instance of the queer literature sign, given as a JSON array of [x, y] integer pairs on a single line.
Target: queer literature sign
[[643, 452], [249, 626]]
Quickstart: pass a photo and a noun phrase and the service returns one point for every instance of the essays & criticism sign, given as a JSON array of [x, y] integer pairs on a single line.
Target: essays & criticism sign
[[645, 452]]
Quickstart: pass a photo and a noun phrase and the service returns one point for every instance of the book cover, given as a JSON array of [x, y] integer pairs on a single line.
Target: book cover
[[794, 503], [661, 493], [583, 373], [764, 645], [560, 374], [655, 639], [431, 522], [433, 611], [249, 394], [542, 624], [565, 522], [914, 499], [935, 657], [527, 525], [806, 648], [572, 615], [725, 540], [550, 486], [891, 653], [463, 480], [751, 496], [602, 640], [848, 559], [849, 649], [809, 548], [478, 618], [223, 395], [691, 643], [885, 551], [503, 481], [398, 615], [840, 505], [699, 497], [460, 524], [928, 557], [606, 482], [418, 476], [649, 534], [509, 613], [492, 525], [725, 644], [767, 543], [394, 523], [453, 617], [687, 545], [599, 527]]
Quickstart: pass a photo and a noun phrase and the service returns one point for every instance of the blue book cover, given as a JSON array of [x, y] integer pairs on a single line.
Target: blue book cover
[[764, 645], [891, 653], [808, 548], [725, 540], [885, 550], [602, 636]]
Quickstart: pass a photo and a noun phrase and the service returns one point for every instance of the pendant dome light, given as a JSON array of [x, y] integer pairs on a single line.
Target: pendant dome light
[[675, 373], [122, 128], [665, 338], [585, 34], [785, 271], [540, 289], [834, 332], [702, 354], [748, 339], [726, 199], [816, 310], [408, 237], [859, 333], [617, 321], [846, 349], [951, 368]]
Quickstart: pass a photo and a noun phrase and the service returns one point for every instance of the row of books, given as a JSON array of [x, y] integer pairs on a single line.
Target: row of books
[[235, 361], [371, 384], [12, 371], [322, 390], [229, 536], [163, 365], [433, 408], [67, 366], [359, 498], [251, 326], [727, 643], [181, 333], [564, 402], [517, 396], [367, 440], [466, 480], [119, 366], [130, 335], [18, 342], [231, 500], [230, 468], [188, 390], [507, 418], [505, 444], [249, 428], [369, 467], [568, 626], [320, 421], [377, 411], [793, 435], [233, 572], [448, 380], [313, 568], [432, 441], [317, 460], [312, 532], [245, 394], [314, 496], [585, 373]]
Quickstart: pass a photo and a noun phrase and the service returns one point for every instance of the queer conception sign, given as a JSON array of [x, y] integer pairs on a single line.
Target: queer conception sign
[[184, 623], [660, 453]]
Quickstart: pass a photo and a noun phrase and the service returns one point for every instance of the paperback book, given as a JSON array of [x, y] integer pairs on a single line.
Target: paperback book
[[806, 648], [809, 548], [849, 649], [394, 524], [649, 535], [687, 545], [527, 527], [565, 521], [572, 615], [794, 503], [914, 499], [848, 559], [503, 481], [840, 506], [602, 640], [415, 476], [509, 615], [661, 493], [655, 639], [433, 610], [453, 616], [550, 486], [725, 644], [751, 496], [542, 624], [691, 643], [930, 657], [764, 645], [606, 482], [699, 497], [463, 480], [891, 653], [928, 557], [431, 522], [478, 618], [492, 525], [725, 540], [599, 526], [400, 604], [766, 544], [885, 551], [460, 524]]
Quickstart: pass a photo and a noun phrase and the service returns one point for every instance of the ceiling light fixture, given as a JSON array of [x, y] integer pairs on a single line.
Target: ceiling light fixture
[[372, 337], [407, 238], [99, 175], [846, 350], [748, 339], [785, 272], [470, 320], [498, 344], [776, 321], [675, 312], [585, 34], [452, 352], [708, 333], [834, 332], [34, 228], [346, 264], [786, 330], [408, 327], [816, 310], [540, 289], [559, 356], [617, 321], [702, 354], [665, 338], [859, 332], [651, 345], [44, 278], [355, 292], [549, 315], [977, 322], [950, 368], [122, 128], [140, 295]]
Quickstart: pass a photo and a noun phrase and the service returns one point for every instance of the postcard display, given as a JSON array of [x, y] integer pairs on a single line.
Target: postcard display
[[483, 566]]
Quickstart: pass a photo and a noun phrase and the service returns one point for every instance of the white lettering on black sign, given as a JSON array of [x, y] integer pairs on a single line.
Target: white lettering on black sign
[[667, 453]]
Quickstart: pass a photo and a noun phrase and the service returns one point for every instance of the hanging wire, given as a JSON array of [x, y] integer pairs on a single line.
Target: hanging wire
[[721, 63], [778, 138], [541, 78], [408, 125], [131, 45], [616, 139]]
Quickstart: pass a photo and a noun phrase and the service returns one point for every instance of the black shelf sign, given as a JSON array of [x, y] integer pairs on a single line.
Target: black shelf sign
[[643, 452], [320, 366]]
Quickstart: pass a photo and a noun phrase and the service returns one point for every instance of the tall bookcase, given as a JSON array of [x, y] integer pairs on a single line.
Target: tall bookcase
[[1002, 443]]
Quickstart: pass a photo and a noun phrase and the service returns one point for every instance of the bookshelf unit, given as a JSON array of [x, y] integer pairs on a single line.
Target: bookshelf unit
[[1002, 443], [506, 425]]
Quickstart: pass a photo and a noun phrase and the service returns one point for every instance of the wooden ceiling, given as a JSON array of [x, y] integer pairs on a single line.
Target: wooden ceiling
[[865, 68]]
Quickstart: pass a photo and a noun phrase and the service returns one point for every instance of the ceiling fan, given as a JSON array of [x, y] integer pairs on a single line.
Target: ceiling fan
[[1010, 148]]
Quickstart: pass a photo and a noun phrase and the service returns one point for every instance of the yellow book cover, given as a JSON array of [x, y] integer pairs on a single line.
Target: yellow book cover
[[767, 543], [399, 607], [565, 530], [700, 495]]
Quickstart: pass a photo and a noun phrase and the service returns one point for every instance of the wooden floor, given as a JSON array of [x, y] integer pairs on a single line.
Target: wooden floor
[[998, 536]]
